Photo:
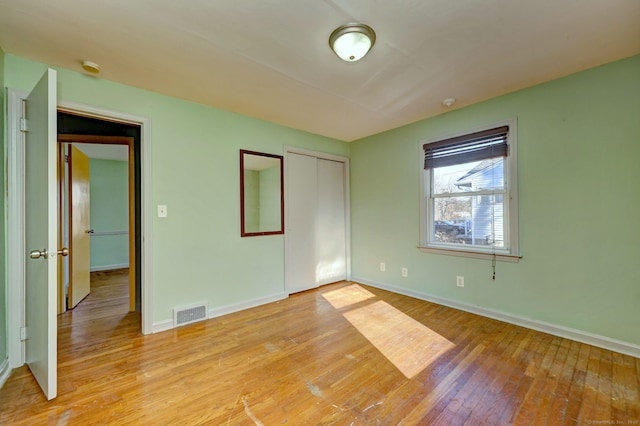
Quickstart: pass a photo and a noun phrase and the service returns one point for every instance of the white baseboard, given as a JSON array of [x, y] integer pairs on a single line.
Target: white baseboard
[[109, 267], [229, 309], [160, 326], [165, 325], [5, 370], [545, 327]]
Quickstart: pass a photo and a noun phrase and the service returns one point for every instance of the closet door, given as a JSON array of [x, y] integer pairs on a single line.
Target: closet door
[[330, 238], [301, 201], [315, 236]]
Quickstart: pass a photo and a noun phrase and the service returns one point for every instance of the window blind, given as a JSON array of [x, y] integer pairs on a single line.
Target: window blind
[[477, 146]]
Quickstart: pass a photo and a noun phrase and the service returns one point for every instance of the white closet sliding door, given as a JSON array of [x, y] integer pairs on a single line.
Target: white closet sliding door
[[316, 227], [331, 256], [300, 216]]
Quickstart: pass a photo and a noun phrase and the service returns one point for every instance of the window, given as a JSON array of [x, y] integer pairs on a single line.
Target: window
[[470, 200]]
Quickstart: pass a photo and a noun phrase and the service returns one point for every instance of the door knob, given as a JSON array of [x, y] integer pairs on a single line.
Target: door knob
[[37, 254]]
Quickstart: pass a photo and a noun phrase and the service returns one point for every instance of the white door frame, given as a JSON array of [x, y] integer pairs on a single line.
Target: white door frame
[[347, 197], [15, 215]]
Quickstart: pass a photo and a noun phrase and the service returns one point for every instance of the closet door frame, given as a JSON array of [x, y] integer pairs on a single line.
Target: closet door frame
[[347, 198]]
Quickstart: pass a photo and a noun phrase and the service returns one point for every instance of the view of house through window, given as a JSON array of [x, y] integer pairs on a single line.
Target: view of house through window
[[467, 192], [468, 203]]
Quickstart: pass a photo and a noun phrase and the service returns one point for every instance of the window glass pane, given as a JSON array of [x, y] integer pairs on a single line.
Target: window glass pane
[[451, 217], [470, 220], [475, 176]]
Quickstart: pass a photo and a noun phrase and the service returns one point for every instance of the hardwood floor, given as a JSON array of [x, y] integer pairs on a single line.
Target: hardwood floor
[[344, 354]]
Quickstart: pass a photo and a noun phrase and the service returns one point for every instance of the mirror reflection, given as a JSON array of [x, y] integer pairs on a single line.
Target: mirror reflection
[[261, 194]]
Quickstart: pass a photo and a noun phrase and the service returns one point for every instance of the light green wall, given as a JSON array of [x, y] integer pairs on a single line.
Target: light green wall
[[198, 254], [3, 214], [109, 186], [579, 199]]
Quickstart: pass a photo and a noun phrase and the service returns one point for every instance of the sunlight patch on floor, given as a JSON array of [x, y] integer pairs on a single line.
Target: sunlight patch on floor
[[347, 296], [408, 344]]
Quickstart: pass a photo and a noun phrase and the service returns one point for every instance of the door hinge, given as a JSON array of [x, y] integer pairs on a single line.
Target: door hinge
[[66, 158], [23, 124], [23, 334]]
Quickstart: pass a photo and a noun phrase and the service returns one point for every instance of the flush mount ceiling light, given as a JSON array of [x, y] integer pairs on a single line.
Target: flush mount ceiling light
[[91, 67], [352, 41]]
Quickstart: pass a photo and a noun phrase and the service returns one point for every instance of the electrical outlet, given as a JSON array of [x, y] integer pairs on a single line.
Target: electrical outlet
[[405, 272], [460, 281], [383, 267]]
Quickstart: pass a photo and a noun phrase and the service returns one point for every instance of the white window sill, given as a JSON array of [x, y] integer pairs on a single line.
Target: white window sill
[[501, 257]]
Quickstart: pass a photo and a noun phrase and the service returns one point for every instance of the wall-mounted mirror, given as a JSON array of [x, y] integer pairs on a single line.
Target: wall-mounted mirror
[[261, 194]]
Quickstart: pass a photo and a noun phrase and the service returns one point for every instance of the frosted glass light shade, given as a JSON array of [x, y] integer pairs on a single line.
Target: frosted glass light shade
[[352, 42]]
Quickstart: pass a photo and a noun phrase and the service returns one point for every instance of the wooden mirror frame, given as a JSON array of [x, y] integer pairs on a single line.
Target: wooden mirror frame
[[243, 226]]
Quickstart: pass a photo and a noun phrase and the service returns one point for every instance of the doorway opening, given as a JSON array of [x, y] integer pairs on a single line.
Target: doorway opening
[[111, 148], [18, 128]]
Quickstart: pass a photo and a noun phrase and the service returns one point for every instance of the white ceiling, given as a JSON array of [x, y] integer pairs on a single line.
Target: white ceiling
[[104, 151], [270, 59]]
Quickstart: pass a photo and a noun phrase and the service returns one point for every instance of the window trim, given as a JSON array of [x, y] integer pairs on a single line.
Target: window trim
[[511, 209]]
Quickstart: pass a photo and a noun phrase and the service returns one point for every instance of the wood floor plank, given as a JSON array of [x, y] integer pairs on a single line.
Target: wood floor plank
[[560, 397], [505, 383], [576, 385], [483, 396], [550, 384], [632, 388], [446, 409], [529, 409], [603, 398], [587, 412], [421, 410], [618, 392], [301, 361]]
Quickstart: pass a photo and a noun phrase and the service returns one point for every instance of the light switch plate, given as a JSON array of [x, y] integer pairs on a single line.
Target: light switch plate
[[162, 210]]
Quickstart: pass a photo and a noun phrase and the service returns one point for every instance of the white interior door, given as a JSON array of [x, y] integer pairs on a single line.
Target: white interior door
[[79, 226], [41, 234], [301, 202]]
